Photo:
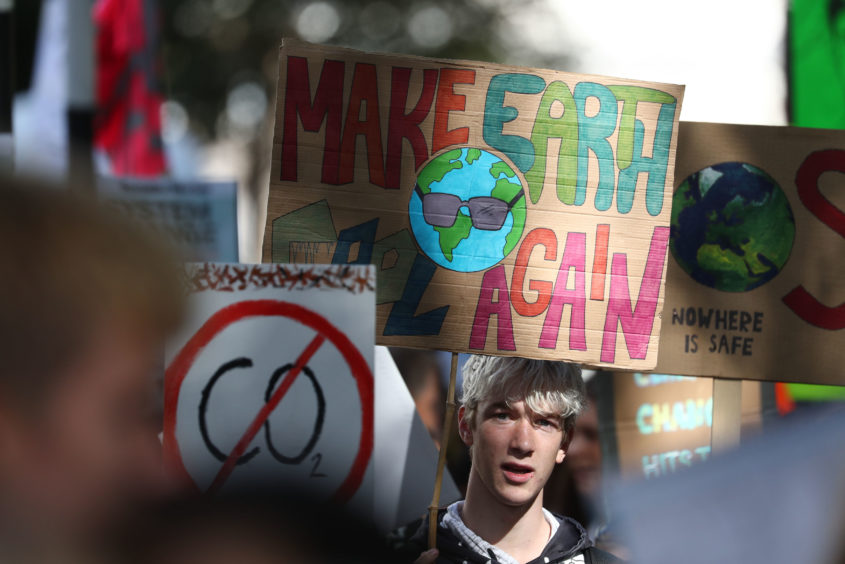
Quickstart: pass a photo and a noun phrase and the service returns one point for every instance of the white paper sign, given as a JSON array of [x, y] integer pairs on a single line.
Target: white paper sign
[[271, 380]]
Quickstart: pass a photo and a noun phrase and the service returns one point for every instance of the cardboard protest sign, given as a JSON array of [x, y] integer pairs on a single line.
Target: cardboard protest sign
[[661, 424], [755, 287], [198, 216], [271, 380], [489, 197]]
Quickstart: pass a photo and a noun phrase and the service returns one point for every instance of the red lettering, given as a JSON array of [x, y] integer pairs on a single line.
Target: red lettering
[[327, 105], [364, 93], [546, 238], [448, 101], [799, 300], [407, 126]]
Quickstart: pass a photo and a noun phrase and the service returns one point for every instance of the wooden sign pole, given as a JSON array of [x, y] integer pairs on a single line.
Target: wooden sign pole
[[727, 414], [441, 461]]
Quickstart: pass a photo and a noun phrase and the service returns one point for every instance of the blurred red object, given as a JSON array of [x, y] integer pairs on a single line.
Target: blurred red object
[[783, 399], [127, 129]]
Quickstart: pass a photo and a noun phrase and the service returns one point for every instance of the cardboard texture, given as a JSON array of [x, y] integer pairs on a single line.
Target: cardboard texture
[[755, 285], [662, 423], [200, 216], [270, 381], [509, 211]]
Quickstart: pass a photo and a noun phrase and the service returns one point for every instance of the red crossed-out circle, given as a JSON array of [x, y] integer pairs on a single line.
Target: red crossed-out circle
[[231, 314]]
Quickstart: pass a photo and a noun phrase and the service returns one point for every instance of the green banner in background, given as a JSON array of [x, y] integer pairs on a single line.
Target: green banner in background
[[809, 392], [817, 63]]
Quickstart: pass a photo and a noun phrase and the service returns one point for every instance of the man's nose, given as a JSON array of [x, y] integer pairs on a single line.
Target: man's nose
[[522, 438]]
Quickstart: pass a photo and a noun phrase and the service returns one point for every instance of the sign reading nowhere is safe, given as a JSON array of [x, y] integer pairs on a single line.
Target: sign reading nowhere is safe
[[755, 287], [508, 210]]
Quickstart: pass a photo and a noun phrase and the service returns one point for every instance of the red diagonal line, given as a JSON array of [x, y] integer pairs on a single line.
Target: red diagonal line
[[264, 413]]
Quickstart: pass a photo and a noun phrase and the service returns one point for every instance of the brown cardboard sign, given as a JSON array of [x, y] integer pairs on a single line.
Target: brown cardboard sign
[[755, 286], [489, 197]]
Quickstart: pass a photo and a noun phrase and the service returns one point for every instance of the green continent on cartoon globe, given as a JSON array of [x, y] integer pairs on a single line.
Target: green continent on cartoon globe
[[732, 227], [468, 173]]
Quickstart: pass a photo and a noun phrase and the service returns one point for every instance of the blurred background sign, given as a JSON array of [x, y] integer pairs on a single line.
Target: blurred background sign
[[653, 425], [200, 217]]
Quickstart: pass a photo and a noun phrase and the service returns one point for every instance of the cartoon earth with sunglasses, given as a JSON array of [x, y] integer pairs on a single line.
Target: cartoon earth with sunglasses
[[467, 210]]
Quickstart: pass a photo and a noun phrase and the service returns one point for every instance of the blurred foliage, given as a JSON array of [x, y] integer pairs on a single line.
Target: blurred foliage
[[212, 46]]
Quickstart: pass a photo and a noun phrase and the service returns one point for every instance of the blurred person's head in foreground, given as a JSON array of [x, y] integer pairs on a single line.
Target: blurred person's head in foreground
[[517, 417], [86, 302], [258, 527]]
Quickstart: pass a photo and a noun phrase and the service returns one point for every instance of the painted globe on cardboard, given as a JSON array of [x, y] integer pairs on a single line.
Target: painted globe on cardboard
[[468, 173], [732, 227]]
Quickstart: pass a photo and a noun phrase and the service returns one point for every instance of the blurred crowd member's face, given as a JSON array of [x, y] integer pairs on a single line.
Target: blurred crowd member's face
[[205, 543], [91, 449], [429, 403], [585, 453]]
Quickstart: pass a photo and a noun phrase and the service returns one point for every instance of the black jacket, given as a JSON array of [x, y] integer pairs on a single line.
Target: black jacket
[[569, 540]]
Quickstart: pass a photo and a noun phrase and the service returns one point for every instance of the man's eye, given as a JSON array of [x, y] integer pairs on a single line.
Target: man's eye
[[501, 416]]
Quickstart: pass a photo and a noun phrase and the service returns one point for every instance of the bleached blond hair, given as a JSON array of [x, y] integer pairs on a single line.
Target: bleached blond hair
[[552, 389]]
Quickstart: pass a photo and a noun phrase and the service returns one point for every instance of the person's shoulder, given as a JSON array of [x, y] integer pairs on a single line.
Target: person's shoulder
[[593, 555]]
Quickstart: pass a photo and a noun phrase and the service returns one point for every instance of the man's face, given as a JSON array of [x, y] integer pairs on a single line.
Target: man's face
[[514, 449], [585, 453], [91, 449]]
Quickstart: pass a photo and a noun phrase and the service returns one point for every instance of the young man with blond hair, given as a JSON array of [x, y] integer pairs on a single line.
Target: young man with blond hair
[[516, 417]]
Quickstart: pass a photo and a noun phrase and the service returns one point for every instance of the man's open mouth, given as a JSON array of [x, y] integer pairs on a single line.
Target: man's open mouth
[[518, 473]]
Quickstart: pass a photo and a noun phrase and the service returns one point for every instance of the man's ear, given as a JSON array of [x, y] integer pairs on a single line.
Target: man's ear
[[564, 448], [464, 429]]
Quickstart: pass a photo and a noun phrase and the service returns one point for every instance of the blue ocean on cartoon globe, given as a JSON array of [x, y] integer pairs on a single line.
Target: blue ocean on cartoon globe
[[468, 173]]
